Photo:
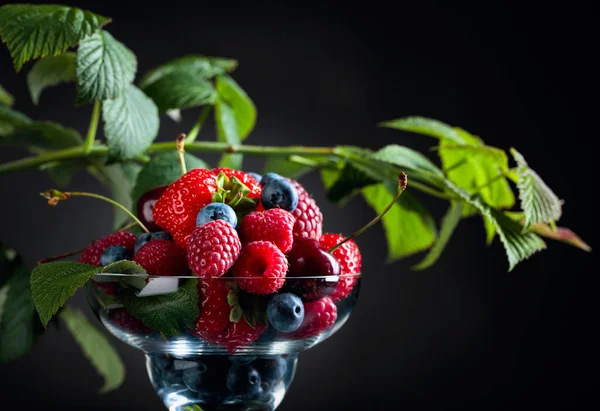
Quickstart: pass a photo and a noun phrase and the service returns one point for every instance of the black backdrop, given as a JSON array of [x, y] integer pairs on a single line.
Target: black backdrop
[[464, 334]]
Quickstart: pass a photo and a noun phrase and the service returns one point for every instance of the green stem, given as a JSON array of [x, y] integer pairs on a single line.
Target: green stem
[[191, 136], [219, 147], [50, 156], [428, 190], [90, 138]]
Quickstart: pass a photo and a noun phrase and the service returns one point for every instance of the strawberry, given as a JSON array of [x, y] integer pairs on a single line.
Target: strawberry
[[319, 315], [274, 225], [93, 253], [177, 208], [350, 261], [309, 220], [245, 178], [240, 334], [212, 248], [162, 257], [260, 268], [121, 318]]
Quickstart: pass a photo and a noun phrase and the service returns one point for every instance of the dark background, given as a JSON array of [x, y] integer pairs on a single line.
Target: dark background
[[464, 334]]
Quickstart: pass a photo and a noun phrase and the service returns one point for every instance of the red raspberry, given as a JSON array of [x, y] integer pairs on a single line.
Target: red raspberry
[[240, 334], [319, 315], [92, 254], [177, 208], [245, 178], [162, 257], [309, 220], [350, 261], [274, 225], [213, 248], [261, 268], [121, 318]]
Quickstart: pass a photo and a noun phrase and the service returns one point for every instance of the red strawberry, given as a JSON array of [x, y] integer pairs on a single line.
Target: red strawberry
[[121, 318], [177, 208], [319, 315], [309, 220], [212, 248], [350, 261], [162, 257], [92, 254], [240, 334], [260, 268], [245, 178], [274, 225]]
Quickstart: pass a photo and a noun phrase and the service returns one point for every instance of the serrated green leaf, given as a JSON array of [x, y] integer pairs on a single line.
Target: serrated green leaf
[[123, 267], [115, 179], [517, 244], [425, 126], [167, 313], [538, 201], [409, 228], [19, 325], [50, 71], [562, 234], [32, 31], [349, 181], [10, 120], [42, 134], [407, 158], [163, 169], [105, 67], [96, 347], [131, 171], [201, 66], [130, 123], [6, 98], [447, 227], [490, 230], [52, 284]]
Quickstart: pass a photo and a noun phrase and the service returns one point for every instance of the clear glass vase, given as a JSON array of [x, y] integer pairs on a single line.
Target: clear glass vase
[[188, 371]]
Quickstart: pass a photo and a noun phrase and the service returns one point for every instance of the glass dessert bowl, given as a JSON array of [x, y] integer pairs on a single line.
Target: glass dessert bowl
[[210, 345]]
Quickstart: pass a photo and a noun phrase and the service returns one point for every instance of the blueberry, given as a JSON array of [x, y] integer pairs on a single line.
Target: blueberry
[[268, 177], [241, 359], [195, 377], [285, 312], [256, 176], [147, 237], [243, 381], [216, 211], [115, 253], [272, 370], [279, 193]]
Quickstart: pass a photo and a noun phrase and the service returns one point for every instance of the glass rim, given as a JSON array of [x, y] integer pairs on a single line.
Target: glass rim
[[224, 278]]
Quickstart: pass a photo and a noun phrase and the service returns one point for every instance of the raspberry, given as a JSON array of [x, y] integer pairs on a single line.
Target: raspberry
[[309, 220], [93, 253], [246, 178], [319, 315], [261, 268], [213, 248], [121, 318], [177, 208], [162, 257], [240, 334], [274, 225], [350, 261]]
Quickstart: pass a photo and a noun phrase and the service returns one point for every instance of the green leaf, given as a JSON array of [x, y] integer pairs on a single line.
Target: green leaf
[[162, 170], [425, 126], [19, 325], [406, 158], [167, 313], [50, 71], [447, 227], [517, 244], [409, 228], [294, 166], [10, 121], [32, 31], [44, 135], [490, 230], [62, 173], [562, 234], [52, 284], [96, 348], [105, 67], [130, 123], [116, 180], [350, 180], [185, 82], [6, 98], [538, 201]]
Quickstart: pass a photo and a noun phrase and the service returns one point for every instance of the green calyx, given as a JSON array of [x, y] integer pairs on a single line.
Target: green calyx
[[250, 307], [234, 193]]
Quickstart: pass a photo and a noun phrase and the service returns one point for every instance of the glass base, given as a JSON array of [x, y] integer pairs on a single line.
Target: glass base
[[221, 382]]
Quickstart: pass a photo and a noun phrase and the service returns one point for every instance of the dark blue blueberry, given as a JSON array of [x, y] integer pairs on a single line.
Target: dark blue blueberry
[[271, 370], [147, 237], [285, 312], [256, 176], [279, 193], [115, 253], [268, 177], [216, 211], [195, 377], [268, 336], [243, 381]]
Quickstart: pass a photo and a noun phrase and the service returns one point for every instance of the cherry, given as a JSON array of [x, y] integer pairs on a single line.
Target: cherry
[[307, 260], [146, 204]]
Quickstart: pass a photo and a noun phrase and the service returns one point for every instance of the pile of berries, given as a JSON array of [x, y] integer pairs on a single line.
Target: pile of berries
[[256, 245]]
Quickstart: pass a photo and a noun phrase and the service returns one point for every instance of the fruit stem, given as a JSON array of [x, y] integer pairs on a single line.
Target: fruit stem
[[199, 123], [54, 196], [91, 134], [402, 181], [61, 256], [180, 147]]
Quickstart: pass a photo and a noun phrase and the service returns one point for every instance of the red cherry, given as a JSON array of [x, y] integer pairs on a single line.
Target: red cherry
[[146, 204]]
